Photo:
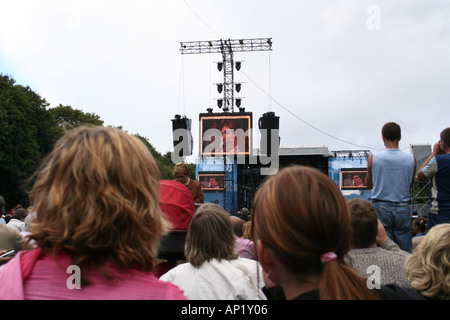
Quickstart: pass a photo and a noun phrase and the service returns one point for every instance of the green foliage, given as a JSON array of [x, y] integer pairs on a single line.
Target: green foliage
[[28, 131], [164, 162], [67, 117]]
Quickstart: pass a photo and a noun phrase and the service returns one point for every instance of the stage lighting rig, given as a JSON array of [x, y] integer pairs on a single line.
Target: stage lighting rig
[[227, 49]]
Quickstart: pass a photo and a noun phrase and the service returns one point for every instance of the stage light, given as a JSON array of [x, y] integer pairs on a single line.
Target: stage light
[[210, 110], [238, 102], [241, 109], [238, 87], [219, 66], [238, 65], [220, 103], [219, 87]]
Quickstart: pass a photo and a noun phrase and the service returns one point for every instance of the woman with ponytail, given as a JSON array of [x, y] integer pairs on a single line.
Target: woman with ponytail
[[302, 230]]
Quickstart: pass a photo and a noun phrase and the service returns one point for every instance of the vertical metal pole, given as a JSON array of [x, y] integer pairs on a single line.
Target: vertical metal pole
[[228, 74]]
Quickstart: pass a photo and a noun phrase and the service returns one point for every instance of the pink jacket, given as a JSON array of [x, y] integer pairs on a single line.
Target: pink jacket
[[34, 275]]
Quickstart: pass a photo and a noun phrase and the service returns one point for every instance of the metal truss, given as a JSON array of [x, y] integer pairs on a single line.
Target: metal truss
[[227, 48], [217, 46]]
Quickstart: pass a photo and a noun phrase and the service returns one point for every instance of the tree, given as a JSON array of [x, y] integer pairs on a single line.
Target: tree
[[68, 117], [164, 162], [164, 166], [28, 132]]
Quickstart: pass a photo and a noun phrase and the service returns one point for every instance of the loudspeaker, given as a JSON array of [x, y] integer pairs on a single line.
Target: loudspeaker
[[182, 136], [269, 125]]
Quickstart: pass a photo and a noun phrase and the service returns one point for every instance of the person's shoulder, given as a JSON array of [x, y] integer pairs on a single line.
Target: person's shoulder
[[246, 264], [183, 269], [4, 228], [245, 242], [9, 229], [11, 279], [443, 157], [167, 290], [195, 183]]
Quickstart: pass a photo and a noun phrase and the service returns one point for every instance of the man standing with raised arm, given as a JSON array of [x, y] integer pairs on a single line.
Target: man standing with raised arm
[[437, 168], [390, 175]]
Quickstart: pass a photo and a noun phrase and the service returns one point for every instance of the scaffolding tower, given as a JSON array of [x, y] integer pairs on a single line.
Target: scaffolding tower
[[227, 48]]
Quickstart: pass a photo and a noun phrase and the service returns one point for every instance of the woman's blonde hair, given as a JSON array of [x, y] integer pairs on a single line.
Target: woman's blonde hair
[[428, 267], [210, 236], [96, 198], [248, 231], [301, 214]]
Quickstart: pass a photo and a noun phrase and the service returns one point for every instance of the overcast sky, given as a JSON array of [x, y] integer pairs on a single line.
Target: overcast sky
[[338, 71]]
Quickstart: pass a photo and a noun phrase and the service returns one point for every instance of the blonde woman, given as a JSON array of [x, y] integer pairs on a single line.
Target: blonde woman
[[97, 226], [427, 268]]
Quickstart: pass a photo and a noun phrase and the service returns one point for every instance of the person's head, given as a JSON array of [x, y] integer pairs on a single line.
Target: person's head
[[181, 172], [227, 134], [96, 198], [244, 212], [210, 236], [20, 214], [301, 219], [420, 225], [364, 220], [391, 131], [428, 267], [445, 139], [238, 226]]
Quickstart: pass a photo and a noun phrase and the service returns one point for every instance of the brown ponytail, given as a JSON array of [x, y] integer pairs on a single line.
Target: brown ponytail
[[340, 282], [301, 214]]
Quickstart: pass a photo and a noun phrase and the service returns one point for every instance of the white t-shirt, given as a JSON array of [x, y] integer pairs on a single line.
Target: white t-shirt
[[236, 279]]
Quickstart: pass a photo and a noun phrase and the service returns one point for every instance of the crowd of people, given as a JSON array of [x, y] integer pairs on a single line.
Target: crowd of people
[[95, 208]]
